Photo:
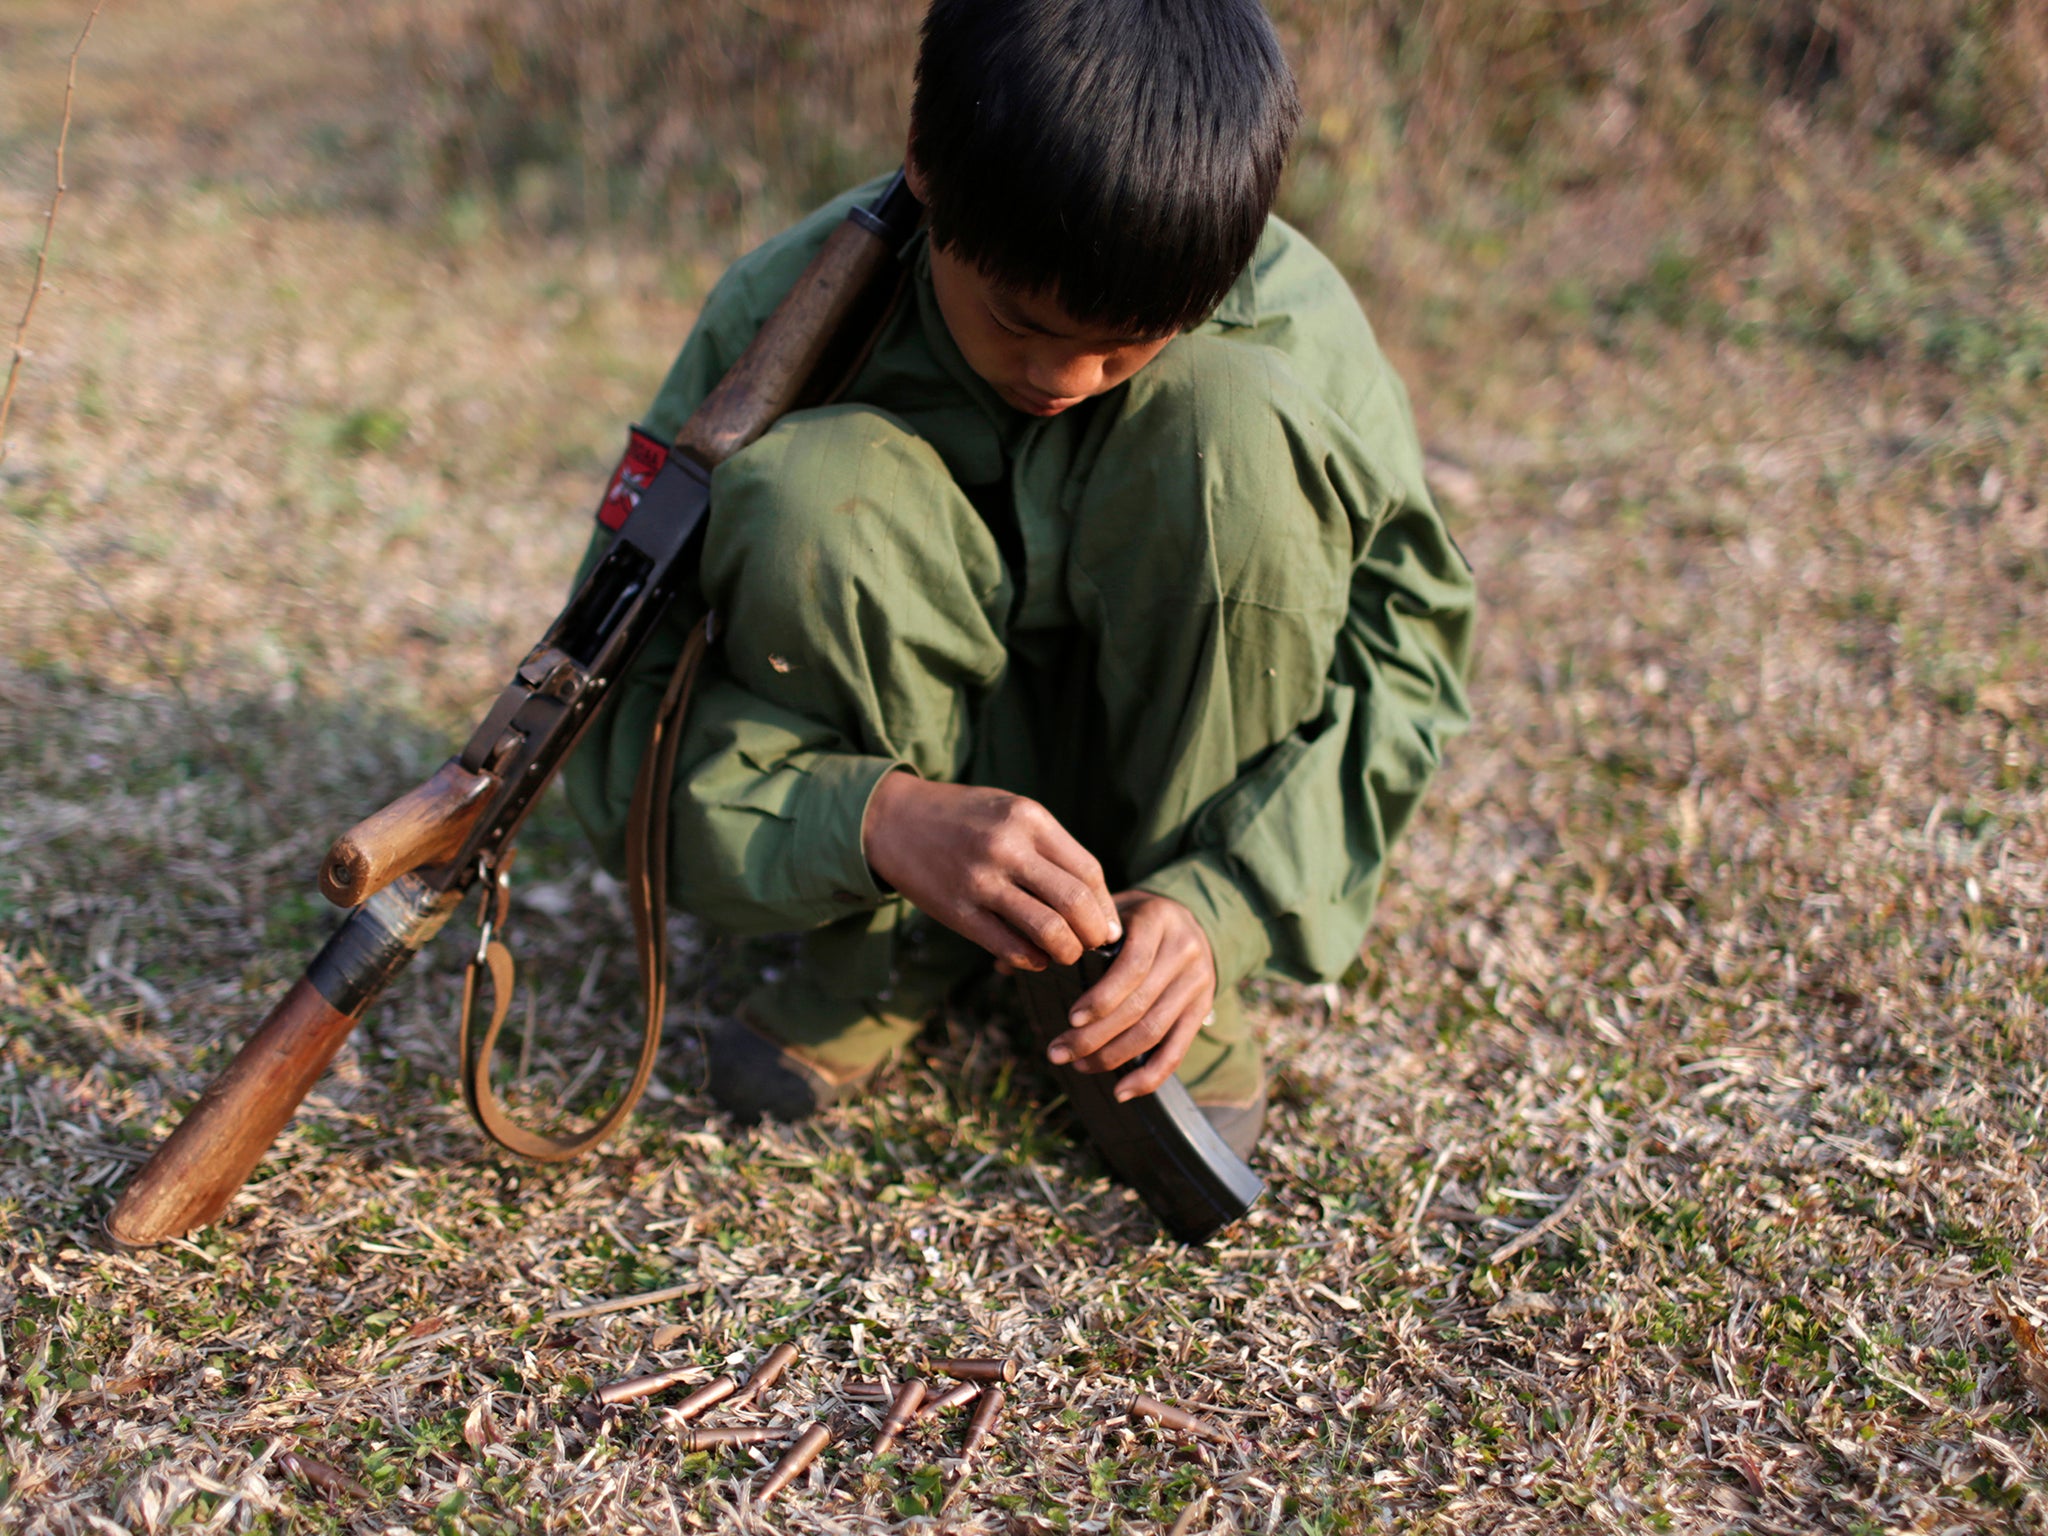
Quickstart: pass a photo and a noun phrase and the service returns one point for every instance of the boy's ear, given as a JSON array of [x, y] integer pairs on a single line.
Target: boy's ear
[[913, 173]]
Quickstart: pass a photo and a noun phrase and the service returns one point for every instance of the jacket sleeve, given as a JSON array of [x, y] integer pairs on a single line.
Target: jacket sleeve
[[1286, 863]]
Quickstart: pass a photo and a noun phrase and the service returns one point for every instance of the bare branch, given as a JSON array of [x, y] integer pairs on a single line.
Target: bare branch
[[35, 287]]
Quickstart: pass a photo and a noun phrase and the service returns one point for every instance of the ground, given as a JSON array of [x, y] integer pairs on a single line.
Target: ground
[[1672, 1161]]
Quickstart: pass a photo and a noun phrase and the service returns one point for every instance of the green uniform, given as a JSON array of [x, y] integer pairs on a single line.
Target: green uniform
[[1211, 620]]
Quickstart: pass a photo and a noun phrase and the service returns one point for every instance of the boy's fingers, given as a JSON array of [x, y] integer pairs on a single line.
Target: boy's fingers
[[1125, 975], [1058, 845], [1084, 1042], [1152, 1076], [1000, 940], [1069, 896], [1131, 969], [1039, 923], [1152, 1027]]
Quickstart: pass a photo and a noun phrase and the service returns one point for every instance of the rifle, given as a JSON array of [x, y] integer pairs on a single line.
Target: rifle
[[405, 869]]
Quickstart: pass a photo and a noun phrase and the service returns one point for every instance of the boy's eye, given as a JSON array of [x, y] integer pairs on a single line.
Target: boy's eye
[[1005, 326]]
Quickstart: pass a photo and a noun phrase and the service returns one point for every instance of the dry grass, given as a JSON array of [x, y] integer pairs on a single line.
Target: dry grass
[[1674, 1164]]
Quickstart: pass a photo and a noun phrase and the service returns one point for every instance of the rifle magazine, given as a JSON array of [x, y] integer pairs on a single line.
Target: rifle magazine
[[1162, 1145]]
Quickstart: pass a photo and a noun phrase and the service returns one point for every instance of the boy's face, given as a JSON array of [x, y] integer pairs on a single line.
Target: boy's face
[[1031, 352]]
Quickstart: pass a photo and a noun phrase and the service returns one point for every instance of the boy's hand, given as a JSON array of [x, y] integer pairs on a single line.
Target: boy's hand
[[991, 865], [1157, 995]]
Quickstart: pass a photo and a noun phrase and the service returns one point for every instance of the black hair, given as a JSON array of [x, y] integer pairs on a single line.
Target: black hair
[[1118, 155]]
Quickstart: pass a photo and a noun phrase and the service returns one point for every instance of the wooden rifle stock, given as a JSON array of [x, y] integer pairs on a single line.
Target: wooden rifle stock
[[189, 1180], [407, 867], [218, 1145]]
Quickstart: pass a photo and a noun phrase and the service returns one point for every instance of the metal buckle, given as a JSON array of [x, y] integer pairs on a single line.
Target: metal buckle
[[495, 884]]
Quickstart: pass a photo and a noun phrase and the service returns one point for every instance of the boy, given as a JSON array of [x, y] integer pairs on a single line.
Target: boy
[[1108, 602]]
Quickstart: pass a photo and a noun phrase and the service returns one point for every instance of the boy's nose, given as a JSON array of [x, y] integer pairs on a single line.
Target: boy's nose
[[1066, 377]]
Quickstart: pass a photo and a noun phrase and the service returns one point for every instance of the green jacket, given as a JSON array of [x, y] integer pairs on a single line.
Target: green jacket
[[1283, 865]]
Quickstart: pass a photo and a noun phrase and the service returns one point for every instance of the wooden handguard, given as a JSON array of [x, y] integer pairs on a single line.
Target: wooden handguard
[[427, 826], [771, 375], [193, 1175]]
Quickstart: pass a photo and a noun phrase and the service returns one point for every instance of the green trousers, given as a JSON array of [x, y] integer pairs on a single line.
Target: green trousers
[[1143, 609]]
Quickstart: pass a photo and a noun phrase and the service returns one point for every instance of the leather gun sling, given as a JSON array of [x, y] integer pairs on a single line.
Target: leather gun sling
[[646, 895]]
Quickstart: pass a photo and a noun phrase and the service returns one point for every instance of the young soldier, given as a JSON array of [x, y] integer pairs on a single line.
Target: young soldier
[[1107, 603]]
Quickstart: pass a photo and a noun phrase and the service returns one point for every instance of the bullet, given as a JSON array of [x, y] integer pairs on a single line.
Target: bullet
[[984, 1420], [794, 1460], [728, 1434], [641, 1386], [716, 1390], [766, 1374], [901, 1412], [976, 1370], [1152, 1408], [865, 1391], [952, 1397]]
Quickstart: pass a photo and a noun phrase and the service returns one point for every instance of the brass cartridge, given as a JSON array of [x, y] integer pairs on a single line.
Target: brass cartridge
[[641, 1386], [766, 1374], [960, 1392], [900, 1413], [794, 1460], [1004, 1370], [728, 1434], [1143, 1407], [716, 1390], [978, 1427]]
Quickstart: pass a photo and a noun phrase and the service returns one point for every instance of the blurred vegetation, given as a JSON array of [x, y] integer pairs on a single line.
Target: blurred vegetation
[[644, 112], [640, 110], [1859, 176]]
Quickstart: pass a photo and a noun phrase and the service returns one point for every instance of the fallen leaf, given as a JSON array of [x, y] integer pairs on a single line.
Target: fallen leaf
[[481, 1427], [323, 1478], [1518, 1304], [1752, 1474], [2002, 699], [2029, 1353]]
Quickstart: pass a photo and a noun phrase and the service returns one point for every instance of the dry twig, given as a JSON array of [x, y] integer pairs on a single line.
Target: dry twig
[[622, 1303], [35, 287], [1555, 1219]]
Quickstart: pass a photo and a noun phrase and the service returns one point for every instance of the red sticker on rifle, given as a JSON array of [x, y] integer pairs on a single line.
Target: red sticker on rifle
[[644, 457]]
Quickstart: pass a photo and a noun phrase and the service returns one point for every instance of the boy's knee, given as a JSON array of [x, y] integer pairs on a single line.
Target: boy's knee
[[1229, 421], [821, 501], [853, 581]]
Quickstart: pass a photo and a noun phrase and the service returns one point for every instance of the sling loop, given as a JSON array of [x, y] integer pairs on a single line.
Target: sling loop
[[646, 896]]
